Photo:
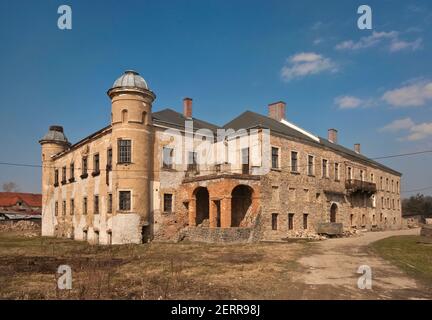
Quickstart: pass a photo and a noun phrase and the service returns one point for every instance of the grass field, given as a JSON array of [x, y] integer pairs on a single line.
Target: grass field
[[153, 271], [411, 253]]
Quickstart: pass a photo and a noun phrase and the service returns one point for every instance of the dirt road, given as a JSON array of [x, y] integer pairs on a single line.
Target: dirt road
[[330, 272]]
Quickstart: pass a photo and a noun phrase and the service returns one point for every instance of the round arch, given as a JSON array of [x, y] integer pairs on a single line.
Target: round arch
[[201, 196], [333, 212], [241, 201]]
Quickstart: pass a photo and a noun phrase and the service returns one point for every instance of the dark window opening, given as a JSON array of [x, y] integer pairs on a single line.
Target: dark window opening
[[124, 200], [275, 158], [167, 205], [124, 151], [290, 221], [274, 221]]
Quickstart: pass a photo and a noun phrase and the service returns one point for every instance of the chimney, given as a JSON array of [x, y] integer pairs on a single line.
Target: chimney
[[277, 110], [357, 147], [332, 136], [187, 107]]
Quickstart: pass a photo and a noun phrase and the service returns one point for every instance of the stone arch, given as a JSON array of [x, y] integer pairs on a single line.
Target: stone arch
[[241, 201], [201, 196], [333, 212]]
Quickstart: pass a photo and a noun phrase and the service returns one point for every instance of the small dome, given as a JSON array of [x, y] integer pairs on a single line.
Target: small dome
[[131, 79], [55, 134]]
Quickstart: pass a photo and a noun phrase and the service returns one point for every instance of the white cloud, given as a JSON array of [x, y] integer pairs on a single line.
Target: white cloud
[[413, 95], [397, 125], [398, 45], [317, 41], [348, 102], [415, 131], [392, 38], [306, 63], [420, 131]]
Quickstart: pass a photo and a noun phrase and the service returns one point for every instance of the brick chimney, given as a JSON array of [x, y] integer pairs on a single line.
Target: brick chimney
[[277, 110], [187, 107], [332, 136], [357, 147]]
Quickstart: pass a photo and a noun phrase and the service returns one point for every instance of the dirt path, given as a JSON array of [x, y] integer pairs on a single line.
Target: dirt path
[[331, 272]]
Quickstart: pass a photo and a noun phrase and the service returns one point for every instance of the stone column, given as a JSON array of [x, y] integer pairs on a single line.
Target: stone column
[[213, 213], [226, 212], [192, 213]]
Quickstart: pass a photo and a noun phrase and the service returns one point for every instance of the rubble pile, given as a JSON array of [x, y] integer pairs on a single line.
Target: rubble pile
[[29, 227], [305, 234]]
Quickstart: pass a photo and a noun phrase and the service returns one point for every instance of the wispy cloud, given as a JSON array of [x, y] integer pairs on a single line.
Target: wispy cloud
[[306, 63], [398, 125], [413, 95], [391, 38], [414, 131], [352, 102]]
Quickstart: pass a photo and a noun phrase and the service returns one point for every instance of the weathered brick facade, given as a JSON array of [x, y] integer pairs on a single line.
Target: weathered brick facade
[[128, 195]]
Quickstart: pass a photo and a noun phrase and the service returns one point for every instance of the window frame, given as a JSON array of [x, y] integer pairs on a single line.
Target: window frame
[[121, 157], [120, 200]]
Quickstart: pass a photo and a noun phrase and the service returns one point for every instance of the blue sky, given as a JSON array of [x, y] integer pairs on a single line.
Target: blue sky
[[374, 86]]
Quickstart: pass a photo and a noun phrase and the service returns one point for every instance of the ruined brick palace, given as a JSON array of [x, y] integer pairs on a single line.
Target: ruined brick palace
[[121, 184]]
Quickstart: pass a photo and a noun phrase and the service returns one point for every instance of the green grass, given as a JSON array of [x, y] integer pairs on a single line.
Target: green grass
[[411, 253]]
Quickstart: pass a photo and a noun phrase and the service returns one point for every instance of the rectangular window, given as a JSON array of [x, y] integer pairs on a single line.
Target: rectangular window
[[167, 158], [361, 175], [64, 175], [392, 185], [382, 202], [72, 207], [311, 170], [96, 204], [109, 159], [72, 172], [305, 221], [337, 171], [84, 167], [64, 208], [275, 158], [110, 203], [372, 178], [245, 160], [124, 151], [192, 161], [294, 163], [167, 205], [397, 187], [124, 200], [56, 208], [324, 168], [349, 173], [381, 183], [85, 205], [96, 164], [274, 221], [290, 221], [56, 177]]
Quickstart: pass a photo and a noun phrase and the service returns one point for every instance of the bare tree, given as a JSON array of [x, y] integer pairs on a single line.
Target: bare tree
[[10, 187]]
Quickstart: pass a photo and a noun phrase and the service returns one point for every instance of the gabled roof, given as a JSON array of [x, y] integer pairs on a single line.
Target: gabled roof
[[249, 119], [170, 117], [8, 199]]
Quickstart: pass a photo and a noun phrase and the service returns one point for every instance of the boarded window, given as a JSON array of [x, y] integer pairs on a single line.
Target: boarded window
[[110, 203]]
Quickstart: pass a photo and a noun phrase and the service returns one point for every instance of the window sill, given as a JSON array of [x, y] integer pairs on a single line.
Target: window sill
[[63, 182], [124, 163], [276, 169], [56, 184], [72, 180], [311, 175], [84, 176], [169, 169], [295, 172], [95, 173], [168, 212]]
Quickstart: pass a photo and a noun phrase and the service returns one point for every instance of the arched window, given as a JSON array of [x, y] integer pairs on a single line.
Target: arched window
[[124, 116]]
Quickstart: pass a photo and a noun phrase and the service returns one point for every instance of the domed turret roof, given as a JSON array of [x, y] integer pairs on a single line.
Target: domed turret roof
[[130, 79], [56, 135]]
